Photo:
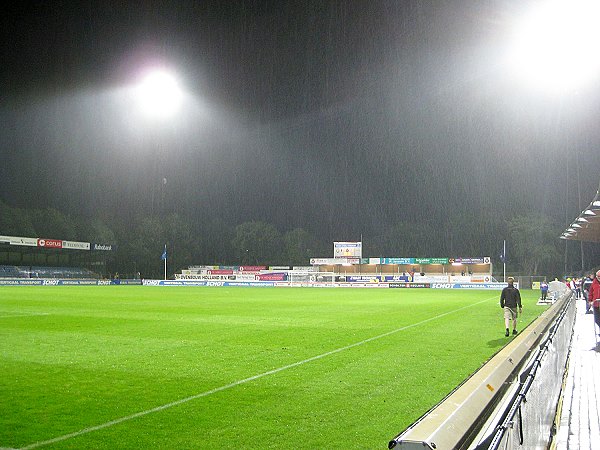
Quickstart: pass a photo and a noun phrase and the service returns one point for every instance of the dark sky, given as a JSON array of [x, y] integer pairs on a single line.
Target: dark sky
[[342, 117]]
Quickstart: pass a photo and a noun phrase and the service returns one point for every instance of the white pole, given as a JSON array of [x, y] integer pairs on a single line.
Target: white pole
[[504, 254]]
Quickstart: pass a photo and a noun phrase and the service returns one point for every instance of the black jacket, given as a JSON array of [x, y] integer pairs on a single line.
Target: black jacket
[[510, 297]]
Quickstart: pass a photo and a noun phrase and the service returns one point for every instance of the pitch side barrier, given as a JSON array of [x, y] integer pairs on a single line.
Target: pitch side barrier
[[63, 282], [223, 283], [509, 401], [324, 284]]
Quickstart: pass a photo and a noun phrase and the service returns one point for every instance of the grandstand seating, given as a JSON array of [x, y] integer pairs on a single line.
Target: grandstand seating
[[46, 272], [11, 272]]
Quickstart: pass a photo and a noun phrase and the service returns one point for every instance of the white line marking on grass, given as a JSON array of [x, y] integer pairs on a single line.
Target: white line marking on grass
[[5, 316], [239, 382]]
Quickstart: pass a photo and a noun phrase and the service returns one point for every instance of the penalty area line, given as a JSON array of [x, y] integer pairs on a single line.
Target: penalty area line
[[239, 382]]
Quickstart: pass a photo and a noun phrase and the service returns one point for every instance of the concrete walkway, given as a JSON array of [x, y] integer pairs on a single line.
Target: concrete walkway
[[580, 420]]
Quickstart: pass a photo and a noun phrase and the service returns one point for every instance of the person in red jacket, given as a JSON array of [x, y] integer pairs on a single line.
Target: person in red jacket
[[594, 298]]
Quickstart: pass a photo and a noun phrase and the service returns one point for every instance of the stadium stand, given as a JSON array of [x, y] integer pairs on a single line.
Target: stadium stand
[[46, 272], [11, 272]]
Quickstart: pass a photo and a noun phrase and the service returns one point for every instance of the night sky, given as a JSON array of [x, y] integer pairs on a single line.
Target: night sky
[[341, 117]]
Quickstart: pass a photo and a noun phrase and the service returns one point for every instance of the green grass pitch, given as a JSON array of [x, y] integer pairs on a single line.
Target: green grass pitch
[[255, 368]]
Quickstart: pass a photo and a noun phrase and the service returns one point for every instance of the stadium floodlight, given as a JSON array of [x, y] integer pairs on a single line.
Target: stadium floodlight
[[159, 93], [576, 225], [589, 212], [556, 44], [582, 219]]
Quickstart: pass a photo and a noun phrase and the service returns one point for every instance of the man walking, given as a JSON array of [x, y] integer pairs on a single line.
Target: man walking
[[510, 299]]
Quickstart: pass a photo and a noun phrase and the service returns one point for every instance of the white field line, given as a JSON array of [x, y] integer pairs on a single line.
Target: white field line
[[5, 316], [237, 383]]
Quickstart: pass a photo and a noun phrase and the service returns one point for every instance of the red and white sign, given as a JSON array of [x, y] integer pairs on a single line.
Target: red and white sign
[[271, 277], [50, 243], [219, 272], [252, 268]]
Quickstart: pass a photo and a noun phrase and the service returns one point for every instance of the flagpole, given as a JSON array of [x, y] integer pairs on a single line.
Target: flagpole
[[164, 258], [503, 253]]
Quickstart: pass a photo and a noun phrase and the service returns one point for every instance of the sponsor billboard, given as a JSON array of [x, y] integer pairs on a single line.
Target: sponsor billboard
[[404, 278], [408, 261], [398, 260], [49, 243], [491, 286], [272, 276], [410, 285], [431, 260], [304, 269], [54, 243], [220, 272], [20, 282], [364, 278], [103, 247], [252, 268], [60, 282], [325, 261], [16, 240], [478, 260], [76, 245]]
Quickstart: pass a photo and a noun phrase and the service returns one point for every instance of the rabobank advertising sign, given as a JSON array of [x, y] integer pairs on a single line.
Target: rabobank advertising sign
[[103, 247]]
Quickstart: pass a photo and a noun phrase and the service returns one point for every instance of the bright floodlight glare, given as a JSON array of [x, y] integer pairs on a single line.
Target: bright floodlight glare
[[159, 94], [557, 44]]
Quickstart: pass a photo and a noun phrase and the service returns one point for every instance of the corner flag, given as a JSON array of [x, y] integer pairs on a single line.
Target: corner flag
[[503, 256], [163, 257]]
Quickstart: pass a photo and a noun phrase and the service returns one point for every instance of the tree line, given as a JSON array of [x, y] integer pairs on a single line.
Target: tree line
[[533, 244]]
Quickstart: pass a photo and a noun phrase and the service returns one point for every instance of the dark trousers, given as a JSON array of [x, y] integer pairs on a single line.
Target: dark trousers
[[597, 315]]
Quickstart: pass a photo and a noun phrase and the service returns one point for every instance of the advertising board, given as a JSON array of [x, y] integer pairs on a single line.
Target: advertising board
[[49, 243], [16, 240], [76, 245]]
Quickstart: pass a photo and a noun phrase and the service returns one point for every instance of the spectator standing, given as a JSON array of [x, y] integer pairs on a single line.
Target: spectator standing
[[594, 298], [510, 299], [544, 290], [572, 286], [585, 287]]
